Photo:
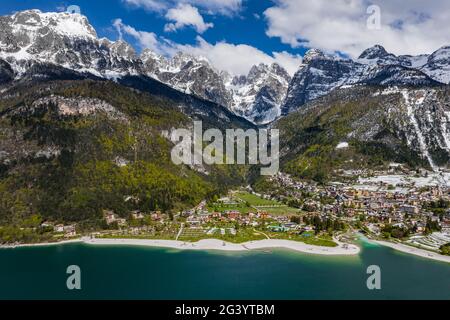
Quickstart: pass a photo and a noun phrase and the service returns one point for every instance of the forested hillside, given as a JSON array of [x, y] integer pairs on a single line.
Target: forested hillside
[[71, 149]]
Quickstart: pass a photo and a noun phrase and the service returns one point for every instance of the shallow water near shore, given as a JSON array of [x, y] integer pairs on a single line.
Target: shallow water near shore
[[128, 272]]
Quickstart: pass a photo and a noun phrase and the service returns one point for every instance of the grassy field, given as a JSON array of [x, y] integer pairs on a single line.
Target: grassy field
[[282, 211], [266, 205], [242, 208], [254, 200], [307, 238], [139, 237], [242, 235], [246, 199]]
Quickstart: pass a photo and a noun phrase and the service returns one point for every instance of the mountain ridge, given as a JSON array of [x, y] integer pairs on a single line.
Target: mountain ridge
[[263, 95], [321, 73], [55, 38]]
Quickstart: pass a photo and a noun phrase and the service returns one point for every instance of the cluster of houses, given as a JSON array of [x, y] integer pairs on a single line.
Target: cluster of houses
[[380, 204], [405, 210], [203, 217], [68, 231]]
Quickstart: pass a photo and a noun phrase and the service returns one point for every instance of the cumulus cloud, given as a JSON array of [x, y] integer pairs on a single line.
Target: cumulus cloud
[[186, 15], [152, 5], [288, 61], [411, 27], [145, 39], [224, 7], [236, 59]]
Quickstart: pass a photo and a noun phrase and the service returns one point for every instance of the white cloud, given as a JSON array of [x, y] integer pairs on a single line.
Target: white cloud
[[186, 15], [145, 39], [411, 27], [237, 59], [225, 7], [152, 5], [288, 61]]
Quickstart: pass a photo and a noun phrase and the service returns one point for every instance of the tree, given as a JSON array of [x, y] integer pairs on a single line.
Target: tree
[[445, 249]]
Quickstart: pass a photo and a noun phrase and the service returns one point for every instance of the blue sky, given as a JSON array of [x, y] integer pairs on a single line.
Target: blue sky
[[235, 34], [242, 27]]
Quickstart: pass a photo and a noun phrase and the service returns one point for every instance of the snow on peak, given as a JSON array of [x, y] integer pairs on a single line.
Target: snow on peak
[[313, 54], [438, 65], [376, 51], [122, 49], [62, 23]]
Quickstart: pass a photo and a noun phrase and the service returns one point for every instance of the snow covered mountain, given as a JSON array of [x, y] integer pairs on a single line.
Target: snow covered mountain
[[31, 38], [368, 127], [189, 74], [320, 73], [259, 95], [63, 39], [436, 65]]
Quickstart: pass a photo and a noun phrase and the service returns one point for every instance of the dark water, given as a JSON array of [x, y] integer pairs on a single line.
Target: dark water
[[149, 273]]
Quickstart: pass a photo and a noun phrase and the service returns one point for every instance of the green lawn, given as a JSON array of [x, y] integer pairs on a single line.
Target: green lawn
[[242, 208], [311, 239], [282, 211], [255, 200], [242, 235]]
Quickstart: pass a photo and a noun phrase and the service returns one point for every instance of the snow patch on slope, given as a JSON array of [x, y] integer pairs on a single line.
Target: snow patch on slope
[[413, 102]]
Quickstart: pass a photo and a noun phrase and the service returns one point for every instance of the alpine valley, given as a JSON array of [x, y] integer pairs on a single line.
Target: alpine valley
[[83, 122]]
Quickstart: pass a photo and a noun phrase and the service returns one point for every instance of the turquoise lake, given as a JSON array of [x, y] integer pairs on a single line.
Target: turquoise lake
[[126, 272]]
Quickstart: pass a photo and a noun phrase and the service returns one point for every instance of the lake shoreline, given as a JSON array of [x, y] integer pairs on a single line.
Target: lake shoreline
[[414, 251], [212, 244], [342, 249]]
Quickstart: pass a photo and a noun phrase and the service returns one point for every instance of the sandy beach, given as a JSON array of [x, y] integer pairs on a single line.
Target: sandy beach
[[212, 244], [219, 245], [411, 250]]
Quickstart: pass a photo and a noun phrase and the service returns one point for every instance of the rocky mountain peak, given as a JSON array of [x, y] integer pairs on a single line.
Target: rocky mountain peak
[[181, 59], [63, 39], [258, 96], [441, 54], [320, 74], [62, 23], [313, 54], [374, 52], [123, 49], [264, 71], [438, 65], [153, 63], [280, 71], [239, 81], [257, 71]]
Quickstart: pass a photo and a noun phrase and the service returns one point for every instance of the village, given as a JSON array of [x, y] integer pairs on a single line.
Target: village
[[413, 213]]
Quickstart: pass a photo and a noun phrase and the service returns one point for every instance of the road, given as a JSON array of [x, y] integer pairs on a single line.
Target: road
[[180, 232]]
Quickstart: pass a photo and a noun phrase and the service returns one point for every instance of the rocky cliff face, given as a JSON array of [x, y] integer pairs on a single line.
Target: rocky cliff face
[[367, 127], [259, 95], [192, 75]]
